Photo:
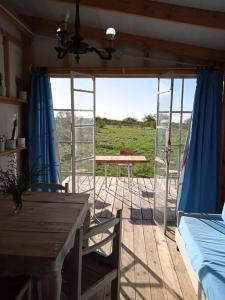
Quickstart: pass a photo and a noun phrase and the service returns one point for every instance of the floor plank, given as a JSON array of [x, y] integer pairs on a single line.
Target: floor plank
[[151, 268], [127, 274], [142, 280], [169, 275]]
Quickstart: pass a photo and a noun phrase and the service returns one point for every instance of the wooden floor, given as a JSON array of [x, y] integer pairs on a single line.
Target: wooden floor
[[151, 266]]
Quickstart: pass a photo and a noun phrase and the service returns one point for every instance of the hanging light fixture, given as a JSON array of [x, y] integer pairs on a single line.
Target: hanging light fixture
[[76, 45]]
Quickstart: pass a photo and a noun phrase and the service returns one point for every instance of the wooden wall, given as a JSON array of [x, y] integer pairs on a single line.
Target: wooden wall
[[11, 66]]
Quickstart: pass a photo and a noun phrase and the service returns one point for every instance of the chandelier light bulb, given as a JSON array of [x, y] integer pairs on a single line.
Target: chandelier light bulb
[[110, 33]]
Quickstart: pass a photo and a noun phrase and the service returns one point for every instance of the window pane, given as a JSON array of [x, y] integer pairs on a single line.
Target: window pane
[[83, 100], [63, 125], [177, 91], [84, 150], [189, 94], [175, 129], [84, 83], [163, 119], [164, 85], [186, 122], [164, 102], [61, 94], [64, 151], [84, 118], [84, 134]]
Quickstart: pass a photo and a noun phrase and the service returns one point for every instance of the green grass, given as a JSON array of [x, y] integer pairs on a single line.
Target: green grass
[[111, 139]]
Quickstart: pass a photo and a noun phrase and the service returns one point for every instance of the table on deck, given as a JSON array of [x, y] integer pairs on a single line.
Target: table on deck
[[119, 159], [36, 240]]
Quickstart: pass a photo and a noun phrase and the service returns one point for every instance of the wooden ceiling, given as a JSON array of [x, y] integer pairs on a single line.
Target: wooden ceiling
[[193, 53], [157, 10]]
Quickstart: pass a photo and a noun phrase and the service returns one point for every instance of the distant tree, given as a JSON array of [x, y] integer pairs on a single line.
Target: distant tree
[[100, 123], [149, 121], [129, 121]]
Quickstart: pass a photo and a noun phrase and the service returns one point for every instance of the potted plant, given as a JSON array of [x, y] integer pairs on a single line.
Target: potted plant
[[14, 182], [2, 87]]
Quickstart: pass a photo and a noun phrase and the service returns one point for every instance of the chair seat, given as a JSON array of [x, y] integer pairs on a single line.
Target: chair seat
[[95, 266], [10, 287]]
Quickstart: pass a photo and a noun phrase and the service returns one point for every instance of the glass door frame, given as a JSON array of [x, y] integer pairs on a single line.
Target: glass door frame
[[167, 148], [75, 172]]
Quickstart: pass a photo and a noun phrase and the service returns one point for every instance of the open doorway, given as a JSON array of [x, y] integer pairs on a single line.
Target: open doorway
[[144, 115]]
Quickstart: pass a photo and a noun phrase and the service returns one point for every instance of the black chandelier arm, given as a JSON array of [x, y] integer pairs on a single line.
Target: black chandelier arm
[[105, 54], [77, 19], [61, 53]]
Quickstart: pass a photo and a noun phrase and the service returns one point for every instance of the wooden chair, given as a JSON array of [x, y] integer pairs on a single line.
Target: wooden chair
[[15, 288], [85, 270], [51, 186]]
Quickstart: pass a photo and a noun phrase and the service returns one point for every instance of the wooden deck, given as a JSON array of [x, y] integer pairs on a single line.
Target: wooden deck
[[152, 268]]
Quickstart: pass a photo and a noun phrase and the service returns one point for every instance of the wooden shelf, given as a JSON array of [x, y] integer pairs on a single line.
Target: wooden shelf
[[8, 152], [12, 101]]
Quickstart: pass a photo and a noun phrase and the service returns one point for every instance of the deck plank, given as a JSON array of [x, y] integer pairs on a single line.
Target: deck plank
[[182, 275], [152, 269], [127, 274], [142, 280], [169, 275]]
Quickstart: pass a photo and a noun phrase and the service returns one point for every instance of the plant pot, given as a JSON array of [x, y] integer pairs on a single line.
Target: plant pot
[[2, 146], [21, 142], [10, 144], [23, 95]]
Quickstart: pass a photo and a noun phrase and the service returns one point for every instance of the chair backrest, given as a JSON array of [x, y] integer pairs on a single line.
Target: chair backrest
[[104, 227], [114, 237], [127, 151], [51, 186]]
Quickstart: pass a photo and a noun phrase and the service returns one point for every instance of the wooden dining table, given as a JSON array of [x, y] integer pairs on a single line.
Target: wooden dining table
[[36, 240]]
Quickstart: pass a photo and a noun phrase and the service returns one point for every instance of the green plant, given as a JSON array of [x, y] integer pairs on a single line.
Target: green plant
[[14, 181]]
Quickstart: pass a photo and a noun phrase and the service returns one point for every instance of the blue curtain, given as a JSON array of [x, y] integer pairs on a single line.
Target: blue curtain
[[42, 134], [200, 188]]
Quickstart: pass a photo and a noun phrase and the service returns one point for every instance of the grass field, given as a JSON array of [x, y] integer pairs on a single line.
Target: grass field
[[112, 138]]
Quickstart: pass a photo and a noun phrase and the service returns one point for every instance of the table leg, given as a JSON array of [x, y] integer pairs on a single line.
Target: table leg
[[128, 169], [106, 175], [87, 222], [51, 285]]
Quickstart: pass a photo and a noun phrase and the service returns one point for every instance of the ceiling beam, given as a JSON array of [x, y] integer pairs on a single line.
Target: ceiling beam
[[163, 11], [124, 72], [47, 26], [14, 18]]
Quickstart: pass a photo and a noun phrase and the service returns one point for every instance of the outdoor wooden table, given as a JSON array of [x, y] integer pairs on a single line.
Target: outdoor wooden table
[[119, 159], [36, 240]]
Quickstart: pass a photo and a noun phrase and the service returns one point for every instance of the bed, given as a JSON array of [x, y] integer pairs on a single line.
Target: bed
[[201, 241]]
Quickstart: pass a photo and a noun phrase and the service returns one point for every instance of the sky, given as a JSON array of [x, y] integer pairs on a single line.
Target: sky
[[119, 98]]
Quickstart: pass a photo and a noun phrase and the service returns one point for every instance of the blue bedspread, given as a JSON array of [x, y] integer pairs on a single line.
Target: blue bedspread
[[204, 240]]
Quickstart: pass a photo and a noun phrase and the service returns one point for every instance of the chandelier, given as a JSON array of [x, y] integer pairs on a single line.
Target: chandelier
[[75, 44]]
